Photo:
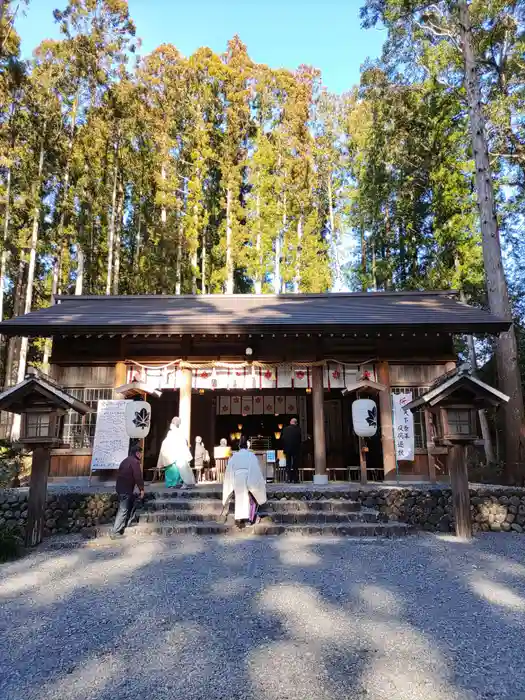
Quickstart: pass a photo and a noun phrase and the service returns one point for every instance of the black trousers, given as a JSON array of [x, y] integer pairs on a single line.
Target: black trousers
[[126, 513], [292, 467]]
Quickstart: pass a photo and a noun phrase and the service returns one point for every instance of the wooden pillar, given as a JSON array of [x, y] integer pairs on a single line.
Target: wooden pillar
[[362, 461], [121, 374], [320, 476], [457, 461], [36, 505], [387, 430], [185, 402], [430, 444]]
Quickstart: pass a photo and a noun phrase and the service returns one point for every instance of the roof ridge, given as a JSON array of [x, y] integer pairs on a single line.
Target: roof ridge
[[289, 297]]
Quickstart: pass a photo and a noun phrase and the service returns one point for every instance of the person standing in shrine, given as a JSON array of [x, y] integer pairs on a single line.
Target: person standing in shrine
[[175, 457], [291, 441]]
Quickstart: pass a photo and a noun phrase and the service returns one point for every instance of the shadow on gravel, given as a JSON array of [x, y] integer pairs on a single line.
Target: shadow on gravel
[[266, 619]]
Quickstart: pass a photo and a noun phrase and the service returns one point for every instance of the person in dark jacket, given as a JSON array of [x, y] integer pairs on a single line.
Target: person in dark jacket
[[291, 442], [129, 477]]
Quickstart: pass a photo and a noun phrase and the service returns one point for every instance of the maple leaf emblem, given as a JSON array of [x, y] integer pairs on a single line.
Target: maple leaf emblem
[[141, 419], [257, 399], [371, 419], [268, 374], [205, 375], [299, 375], [336, 374]]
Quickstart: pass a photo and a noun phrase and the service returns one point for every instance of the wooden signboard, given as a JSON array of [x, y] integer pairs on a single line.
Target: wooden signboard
[[111, 444]]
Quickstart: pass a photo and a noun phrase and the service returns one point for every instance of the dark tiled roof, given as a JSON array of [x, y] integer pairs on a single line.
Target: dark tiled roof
[[246, 312]]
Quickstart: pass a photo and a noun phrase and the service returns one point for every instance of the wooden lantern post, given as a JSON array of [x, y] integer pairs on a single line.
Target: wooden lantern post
[[455, 401], [42, 404]]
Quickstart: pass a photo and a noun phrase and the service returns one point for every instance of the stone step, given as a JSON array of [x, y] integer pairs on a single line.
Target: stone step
[[213, 528], [271, 506], [215, 493], [308, 518]]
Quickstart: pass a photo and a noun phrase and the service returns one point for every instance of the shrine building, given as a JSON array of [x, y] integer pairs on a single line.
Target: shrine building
[[249, 363]]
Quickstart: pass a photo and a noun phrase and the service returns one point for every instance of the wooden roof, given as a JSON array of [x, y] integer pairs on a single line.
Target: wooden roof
[[45, 389], [245, 313]]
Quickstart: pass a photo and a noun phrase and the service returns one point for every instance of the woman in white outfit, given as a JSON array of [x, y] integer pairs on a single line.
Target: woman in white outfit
[[244, 478], [175, 457]]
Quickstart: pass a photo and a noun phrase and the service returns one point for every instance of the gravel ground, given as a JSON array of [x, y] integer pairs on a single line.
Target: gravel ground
[[266, 619]]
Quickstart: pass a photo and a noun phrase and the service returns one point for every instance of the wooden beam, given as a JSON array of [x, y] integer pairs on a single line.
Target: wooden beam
[[457, 465], [387, 430], [320, 476], [36, 505]]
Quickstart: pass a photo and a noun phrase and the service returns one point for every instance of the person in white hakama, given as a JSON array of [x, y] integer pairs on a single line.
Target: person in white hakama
[[244, 478], [175, 457]]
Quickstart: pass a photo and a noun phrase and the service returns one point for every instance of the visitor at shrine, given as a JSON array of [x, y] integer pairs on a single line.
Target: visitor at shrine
[[175, 458], [291, 442], [201, 458], [129, 477], [244, 479]]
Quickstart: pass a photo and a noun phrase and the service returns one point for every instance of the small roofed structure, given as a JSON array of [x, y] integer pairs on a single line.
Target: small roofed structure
[[455, 400], [41, 403], [459, 384], [38, 391]]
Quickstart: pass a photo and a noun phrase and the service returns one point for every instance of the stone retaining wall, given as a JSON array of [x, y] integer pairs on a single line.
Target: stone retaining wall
[[65, 512], [496, 509], [492, 509]]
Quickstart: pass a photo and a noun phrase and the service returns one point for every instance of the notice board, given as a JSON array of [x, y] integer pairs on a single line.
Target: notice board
[[111, 444]]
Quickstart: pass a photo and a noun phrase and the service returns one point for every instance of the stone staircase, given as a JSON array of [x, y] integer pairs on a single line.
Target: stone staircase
[[198, 511]]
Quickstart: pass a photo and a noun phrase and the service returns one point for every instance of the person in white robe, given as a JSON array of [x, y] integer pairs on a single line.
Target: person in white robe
[[244, 479], [175, 457]]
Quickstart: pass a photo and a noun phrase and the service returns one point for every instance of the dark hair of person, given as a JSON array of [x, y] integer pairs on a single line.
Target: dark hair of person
[[135, 449], [243, 442]]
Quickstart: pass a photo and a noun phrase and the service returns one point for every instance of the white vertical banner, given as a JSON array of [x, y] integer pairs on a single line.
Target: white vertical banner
[[403, 427]]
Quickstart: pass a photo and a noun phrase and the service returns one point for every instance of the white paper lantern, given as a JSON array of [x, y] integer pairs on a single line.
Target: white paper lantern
[[138, 419], [364, 417]]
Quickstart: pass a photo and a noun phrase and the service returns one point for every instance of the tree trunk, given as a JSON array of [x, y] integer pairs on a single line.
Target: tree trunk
[[333, 233], [48, 346], [138, 236], [258, 245], [3, 262], [112, 223], [277, 282], [364, 284], [497, 292], [163, 213], [194, 266], [178, 260], [14, 343], [24, 342], [118, 236], [79, 281], [203, 260], [297, 280], [229, 243]]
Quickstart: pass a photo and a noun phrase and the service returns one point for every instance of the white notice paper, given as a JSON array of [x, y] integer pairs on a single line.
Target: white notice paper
[[111, 444], [403, 428]]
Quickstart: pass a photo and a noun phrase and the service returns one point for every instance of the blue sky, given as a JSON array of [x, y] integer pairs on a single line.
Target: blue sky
[[280, 33]]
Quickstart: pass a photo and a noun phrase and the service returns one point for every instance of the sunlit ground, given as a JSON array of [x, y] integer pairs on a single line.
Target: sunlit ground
[[266, 619]]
